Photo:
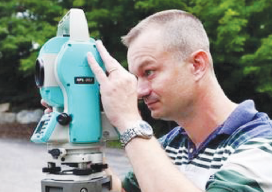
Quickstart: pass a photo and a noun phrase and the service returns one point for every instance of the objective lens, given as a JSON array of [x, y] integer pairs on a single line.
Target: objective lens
[[39, 74]]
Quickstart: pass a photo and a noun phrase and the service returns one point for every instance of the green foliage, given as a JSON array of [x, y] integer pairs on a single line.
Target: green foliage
[[114, 144], [239, 32], [23, 24], [259, 64], [241, 57], [159, 5]]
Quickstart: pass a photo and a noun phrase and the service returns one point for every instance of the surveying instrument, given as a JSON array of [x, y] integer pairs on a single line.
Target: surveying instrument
[[73, 130]]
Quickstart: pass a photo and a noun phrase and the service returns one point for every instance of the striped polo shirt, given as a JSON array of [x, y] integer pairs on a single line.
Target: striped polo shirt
[[236, 157]]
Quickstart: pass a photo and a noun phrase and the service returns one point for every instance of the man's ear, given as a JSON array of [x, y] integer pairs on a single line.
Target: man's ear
[[200, 64]]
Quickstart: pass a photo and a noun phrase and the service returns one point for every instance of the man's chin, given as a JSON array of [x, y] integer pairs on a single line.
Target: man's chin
[[159, 116], [156, 115]]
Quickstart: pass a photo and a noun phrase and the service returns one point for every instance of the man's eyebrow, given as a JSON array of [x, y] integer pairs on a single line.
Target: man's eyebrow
[[143, 63], [140, 67], [146, 62]]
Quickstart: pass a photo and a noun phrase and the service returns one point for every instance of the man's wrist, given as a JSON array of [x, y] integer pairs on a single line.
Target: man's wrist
[[126, 124], [139, 129]]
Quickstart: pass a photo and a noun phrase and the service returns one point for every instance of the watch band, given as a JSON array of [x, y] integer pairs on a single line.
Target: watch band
[[141, 129], [127, 136]]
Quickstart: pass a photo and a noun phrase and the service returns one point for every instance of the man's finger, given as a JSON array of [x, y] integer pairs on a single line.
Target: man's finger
[[109, 61], [48, 108], [97, 70], [43, 102]]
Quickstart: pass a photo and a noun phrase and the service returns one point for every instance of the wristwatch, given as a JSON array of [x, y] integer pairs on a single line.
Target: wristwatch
[[141, 129]]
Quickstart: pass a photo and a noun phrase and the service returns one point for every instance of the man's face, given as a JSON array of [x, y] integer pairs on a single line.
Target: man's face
[[164, 83]]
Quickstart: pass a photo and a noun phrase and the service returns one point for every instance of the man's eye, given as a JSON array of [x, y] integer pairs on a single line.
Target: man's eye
[[148, 72]]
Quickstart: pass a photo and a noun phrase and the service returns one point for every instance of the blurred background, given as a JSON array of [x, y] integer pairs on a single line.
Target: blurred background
[[240, 33]]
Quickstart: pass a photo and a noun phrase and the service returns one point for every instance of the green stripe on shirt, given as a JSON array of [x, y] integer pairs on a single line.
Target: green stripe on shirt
[[231, 181]]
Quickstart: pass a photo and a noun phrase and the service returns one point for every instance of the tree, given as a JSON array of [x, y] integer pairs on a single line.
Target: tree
[[240, 35], [20, 31]]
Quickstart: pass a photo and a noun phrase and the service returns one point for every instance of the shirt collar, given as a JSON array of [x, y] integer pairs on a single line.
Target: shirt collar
[[243, 113]]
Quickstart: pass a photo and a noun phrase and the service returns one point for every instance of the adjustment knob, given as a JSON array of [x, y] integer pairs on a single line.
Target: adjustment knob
[[55, 153], [64, 119]]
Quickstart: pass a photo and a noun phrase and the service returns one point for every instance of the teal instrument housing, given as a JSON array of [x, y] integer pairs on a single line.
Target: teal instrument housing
[[53, 45], [81, 89], [68, 84], [52, 94]]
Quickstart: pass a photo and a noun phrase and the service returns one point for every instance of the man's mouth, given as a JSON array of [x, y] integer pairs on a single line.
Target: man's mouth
[[150, 103]]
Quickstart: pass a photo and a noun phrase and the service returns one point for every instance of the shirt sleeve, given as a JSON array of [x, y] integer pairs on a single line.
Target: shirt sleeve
[[130, 183], [232, 181], [247, 169]]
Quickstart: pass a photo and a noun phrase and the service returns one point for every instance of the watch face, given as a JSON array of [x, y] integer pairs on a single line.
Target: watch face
[[146, 129]]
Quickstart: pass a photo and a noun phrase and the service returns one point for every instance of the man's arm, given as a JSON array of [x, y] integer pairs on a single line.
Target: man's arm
[[152, 167]]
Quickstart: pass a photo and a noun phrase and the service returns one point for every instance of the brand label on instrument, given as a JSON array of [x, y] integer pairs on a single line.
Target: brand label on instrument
[[84, 80]]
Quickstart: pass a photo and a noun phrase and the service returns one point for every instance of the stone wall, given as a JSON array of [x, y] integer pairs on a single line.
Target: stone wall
[[18, 124]]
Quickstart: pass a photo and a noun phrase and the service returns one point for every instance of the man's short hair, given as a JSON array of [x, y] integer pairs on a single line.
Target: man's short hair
[[181, 32]]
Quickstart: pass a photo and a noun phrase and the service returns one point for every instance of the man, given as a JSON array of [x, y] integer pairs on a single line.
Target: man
[[218, 146]]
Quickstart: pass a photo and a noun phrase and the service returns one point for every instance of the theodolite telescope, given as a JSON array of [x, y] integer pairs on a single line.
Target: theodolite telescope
[[73, 130]]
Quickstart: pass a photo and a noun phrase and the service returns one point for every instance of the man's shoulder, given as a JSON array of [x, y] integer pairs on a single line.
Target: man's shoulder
[[246, 123], [259, 127]]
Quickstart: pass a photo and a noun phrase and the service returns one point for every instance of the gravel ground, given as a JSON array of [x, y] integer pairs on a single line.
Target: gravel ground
[[21, 162]]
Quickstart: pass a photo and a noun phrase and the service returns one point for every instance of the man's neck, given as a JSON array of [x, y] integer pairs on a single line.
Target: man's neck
[[211, 110]]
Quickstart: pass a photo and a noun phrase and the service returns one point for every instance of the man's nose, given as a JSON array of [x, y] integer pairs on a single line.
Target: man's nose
[[143, 89]]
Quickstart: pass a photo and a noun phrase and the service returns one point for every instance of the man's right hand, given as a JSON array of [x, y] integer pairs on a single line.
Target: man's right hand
[[118, 90]]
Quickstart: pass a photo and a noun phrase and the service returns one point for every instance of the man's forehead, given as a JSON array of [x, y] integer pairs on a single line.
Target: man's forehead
[[144, 46], [141, 56]]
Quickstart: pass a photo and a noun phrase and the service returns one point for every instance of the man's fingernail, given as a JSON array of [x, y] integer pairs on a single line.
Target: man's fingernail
[[99, 41], [89, 54]]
